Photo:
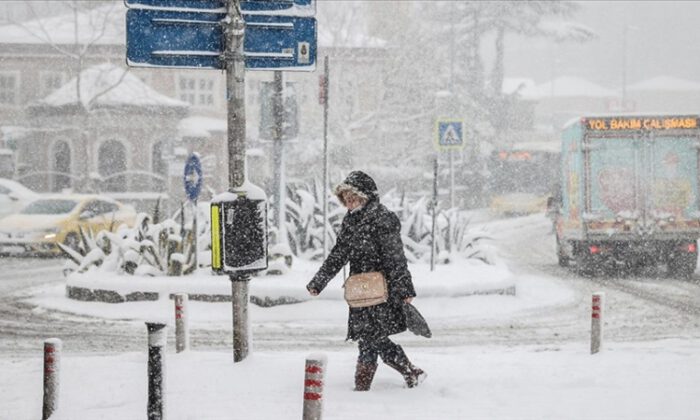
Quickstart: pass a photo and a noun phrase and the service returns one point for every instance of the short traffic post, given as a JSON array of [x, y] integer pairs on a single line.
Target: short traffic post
[[52, 368], [597, 321], [182, 331], [156, 349], [313, 387]]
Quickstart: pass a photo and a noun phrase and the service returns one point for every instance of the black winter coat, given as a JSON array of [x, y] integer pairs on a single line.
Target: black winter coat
[[370, 240]]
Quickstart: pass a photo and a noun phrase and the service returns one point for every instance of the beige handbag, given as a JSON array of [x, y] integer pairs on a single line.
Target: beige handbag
[[366, 289]]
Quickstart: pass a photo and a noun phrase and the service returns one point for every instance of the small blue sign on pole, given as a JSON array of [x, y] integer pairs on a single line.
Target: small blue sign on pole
[[449, 134], [193, 177]]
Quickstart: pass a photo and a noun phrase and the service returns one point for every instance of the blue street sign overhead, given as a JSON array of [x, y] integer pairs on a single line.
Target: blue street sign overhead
[[178, 5], [279, 7], [166, 38], [280, 42], [263, 7], [193, 176], [157, 38]]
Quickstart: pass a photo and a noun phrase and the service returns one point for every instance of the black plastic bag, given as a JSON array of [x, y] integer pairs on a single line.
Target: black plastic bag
[[415, 321]]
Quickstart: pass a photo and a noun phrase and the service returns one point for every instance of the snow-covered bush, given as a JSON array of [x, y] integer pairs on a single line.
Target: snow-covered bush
[[453, 234], [149, 248], [304, 219]]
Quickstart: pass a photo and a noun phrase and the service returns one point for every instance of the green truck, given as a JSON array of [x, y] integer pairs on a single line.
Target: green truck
[[628, 194]]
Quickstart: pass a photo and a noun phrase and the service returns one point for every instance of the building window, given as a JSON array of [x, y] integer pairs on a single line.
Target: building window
[[9, 88], [197, 91], [51, 81]]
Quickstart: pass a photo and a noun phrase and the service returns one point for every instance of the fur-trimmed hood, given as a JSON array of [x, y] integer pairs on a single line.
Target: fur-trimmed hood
[[358, 183]]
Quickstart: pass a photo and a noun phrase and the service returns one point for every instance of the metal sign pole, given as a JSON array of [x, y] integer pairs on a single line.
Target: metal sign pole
[[325, 86], [235, 96], [194, 235], [435, 201], [277, 133]]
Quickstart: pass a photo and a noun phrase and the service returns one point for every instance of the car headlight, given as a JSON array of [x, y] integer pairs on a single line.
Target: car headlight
[[49, 233]]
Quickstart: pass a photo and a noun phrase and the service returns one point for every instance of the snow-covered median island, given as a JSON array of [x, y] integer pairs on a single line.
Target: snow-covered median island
[[461, 278]]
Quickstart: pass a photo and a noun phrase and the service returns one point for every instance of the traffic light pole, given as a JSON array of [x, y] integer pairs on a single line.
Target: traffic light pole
[[235, 98]]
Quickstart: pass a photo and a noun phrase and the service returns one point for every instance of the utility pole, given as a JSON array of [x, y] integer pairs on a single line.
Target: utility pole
[[278, 187], [235, 97]]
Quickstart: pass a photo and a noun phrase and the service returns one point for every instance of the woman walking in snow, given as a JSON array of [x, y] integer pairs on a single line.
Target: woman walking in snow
[[370, 240]]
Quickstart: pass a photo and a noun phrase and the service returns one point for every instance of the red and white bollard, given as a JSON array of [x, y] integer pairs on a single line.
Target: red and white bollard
[[52, 369], [182, 333], [313, 387], [597, 321]]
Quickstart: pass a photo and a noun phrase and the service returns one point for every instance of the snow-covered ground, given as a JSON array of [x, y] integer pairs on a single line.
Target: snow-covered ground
[[658, 380], [523, 356]]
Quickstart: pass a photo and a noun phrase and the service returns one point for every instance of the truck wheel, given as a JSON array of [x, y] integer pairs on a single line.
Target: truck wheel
[[562, 258], [584, 267], [682, 266]]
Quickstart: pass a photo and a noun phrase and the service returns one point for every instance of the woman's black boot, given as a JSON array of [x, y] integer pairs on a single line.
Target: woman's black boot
[[411, 374], [364, 374]]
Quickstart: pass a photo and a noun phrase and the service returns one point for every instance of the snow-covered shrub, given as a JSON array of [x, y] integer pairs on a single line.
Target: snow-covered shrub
[[453, 234], [149, 248], [304, 219]]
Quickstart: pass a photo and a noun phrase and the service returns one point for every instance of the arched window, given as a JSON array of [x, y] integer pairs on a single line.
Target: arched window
[[111, 165], [158, 167], [60, 166]]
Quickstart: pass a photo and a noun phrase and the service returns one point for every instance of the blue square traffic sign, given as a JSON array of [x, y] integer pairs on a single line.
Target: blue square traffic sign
[[449, 134]]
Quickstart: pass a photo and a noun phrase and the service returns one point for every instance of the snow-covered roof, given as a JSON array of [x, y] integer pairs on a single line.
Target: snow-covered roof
[[110, 85], [198, 126], [665, 83], [102, 26], [569, 86]]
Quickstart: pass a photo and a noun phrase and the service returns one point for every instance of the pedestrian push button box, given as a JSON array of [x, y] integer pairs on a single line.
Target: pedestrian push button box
[[238, 233]]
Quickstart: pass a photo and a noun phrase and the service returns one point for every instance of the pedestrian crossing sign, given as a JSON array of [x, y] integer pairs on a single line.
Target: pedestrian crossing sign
[[449, 134]]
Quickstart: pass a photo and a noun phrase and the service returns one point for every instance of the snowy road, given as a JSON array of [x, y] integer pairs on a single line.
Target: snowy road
[[637, 308], [644, 307]]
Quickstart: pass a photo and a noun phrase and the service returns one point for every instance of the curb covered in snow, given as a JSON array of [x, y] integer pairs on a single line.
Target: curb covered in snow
[[462, 278]]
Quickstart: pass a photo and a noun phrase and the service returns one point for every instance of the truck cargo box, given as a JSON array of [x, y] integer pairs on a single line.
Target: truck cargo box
[[629, 191]]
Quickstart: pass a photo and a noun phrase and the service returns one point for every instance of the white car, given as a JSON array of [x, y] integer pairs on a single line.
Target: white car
[[14, 196]]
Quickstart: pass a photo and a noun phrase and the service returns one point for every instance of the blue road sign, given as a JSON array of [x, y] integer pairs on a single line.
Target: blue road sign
[[193, 177], [181, 5], [279, 7], [158, 38], [166, 38], [265, 7], [450, 134], [280, 42]]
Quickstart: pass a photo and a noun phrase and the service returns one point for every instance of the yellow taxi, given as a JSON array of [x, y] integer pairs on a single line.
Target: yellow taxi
[[518, 204], [45, 222]]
